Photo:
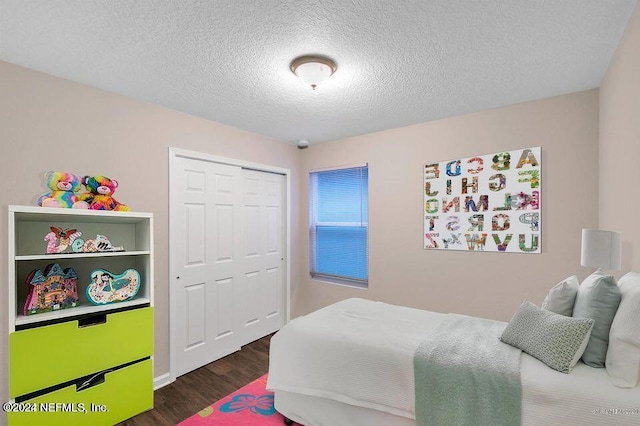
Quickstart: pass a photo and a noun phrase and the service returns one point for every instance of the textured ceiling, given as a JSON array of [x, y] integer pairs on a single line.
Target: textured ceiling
[[399, 62]]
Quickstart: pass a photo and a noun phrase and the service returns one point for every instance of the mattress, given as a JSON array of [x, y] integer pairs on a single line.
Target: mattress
[[360, 353]]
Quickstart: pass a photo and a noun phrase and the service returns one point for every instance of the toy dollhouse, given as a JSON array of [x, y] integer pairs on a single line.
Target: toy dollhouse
[[50, 290]]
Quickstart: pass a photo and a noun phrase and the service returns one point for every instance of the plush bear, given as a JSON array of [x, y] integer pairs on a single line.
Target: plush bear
[[64, 193], [100, 193]]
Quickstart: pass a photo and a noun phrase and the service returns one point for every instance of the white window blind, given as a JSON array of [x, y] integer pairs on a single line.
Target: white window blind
[[339, 211]]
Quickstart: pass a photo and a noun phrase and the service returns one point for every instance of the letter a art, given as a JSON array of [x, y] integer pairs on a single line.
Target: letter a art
[[494, 198]]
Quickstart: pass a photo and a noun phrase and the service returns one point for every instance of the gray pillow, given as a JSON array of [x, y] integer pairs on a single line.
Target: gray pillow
[[598, 298], [554, 339], [562, 297]]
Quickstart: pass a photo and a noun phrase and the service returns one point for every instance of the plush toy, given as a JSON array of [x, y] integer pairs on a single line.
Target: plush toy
[[100, 195], [64, 193]]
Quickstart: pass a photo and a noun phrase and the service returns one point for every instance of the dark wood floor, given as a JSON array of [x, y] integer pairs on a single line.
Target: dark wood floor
[[202, 387]]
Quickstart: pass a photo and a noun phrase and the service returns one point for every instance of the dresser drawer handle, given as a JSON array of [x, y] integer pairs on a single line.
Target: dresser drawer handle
[[92, 320], [92, 381]]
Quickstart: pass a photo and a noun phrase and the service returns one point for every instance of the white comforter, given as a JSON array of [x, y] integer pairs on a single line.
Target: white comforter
[[361, 353]]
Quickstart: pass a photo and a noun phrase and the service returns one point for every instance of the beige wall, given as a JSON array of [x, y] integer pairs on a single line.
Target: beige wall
[[620, 145], [47, 123], [483, 284]]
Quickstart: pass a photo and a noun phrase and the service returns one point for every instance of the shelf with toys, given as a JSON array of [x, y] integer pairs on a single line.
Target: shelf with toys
[[84, 241]]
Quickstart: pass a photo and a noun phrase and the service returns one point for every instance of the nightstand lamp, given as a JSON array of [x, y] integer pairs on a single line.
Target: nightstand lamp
[[601, 249]]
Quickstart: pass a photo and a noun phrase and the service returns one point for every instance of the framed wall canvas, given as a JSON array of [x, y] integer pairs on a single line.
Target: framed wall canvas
[[484, 203]]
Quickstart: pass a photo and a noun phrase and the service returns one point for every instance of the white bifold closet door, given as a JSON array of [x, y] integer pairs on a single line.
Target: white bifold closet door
[[229, 259]]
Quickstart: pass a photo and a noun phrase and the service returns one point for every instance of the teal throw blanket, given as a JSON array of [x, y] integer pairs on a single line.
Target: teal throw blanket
[[464, 375]]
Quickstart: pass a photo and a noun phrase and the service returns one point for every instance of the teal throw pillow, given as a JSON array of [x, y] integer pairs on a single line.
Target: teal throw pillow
[[598, 298], [554, 339]]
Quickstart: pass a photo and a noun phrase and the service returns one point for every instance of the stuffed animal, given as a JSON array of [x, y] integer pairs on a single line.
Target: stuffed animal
[[64, 193], [100, 195]]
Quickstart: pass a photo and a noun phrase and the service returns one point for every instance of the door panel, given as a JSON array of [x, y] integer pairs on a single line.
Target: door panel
[[272, 306], [195, 218], [264, 286], [252, 230], [274, 233], [208, 201], [225, 231], [194, 295], [225, 310], [252, 298]]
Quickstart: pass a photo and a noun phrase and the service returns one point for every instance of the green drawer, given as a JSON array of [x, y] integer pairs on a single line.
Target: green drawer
[[46, 356], [123, 394]]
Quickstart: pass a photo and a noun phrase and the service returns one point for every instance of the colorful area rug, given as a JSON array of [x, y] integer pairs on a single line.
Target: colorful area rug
[[251, 405]]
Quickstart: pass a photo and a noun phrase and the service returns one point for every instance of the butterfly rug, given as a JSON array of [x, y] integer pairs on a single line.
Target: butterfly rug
[[251, 405]]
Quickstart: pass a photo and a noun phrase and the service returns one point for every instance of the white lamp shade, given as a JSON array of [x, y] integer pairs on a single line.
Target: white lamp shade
[[313, 69], [313, 73], [601, 249]]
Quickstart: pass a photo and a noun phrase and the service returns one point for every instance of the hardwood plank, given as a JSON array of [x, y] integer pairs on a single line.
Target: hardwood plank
[[202, 387]]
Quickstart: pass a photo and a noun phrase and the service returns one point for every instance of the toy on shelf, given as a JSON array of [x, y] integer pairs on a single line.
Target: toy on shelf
[[58, 240], [64, 192], [106, 287], [51, 290], [100, 195], [100, 244]]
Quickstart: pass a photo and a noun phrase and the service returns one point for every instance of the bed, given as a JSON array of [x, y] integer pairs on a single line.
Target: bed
[[351, 364]]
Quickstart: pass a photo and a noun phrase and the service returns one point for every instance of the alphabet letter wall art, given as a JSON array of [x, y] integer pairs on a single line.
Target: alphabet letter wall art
[[484, 203]]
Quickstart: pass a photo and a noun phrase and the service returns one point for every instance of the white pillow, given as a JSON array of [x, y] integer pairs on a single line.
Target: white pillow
[[562, 296], [623, 355]]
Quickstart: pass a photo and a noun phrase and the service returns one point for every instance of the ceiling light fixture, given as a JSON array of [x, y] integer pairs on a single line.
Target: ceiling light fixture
[[312, 69]]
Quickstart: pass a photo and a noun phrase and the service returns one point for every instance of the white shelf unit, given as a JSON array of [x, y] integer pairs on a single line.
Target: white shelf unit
[[27, 251]]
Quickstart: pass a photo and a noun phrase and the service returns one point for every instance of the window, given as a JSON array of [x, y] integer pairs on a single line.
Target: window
[[339, 211]]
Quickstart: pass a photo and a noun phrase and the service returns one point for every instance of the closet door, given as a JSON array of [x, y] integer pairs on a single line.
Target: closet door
[[263, 247], [228, 283], [206, 245]]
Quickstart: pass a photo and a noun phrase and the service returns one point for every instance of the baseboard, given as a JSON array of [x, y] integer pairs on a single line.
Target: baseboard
[[161, 381]]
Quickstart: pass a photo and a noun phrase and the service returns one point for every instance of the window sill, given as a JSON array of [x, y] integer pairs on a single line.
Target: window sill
[[339, 282]]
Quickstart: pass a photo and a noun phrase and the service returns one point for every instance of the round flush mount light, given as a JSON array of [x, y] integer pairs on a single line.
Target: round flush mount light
[[313, 69]]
